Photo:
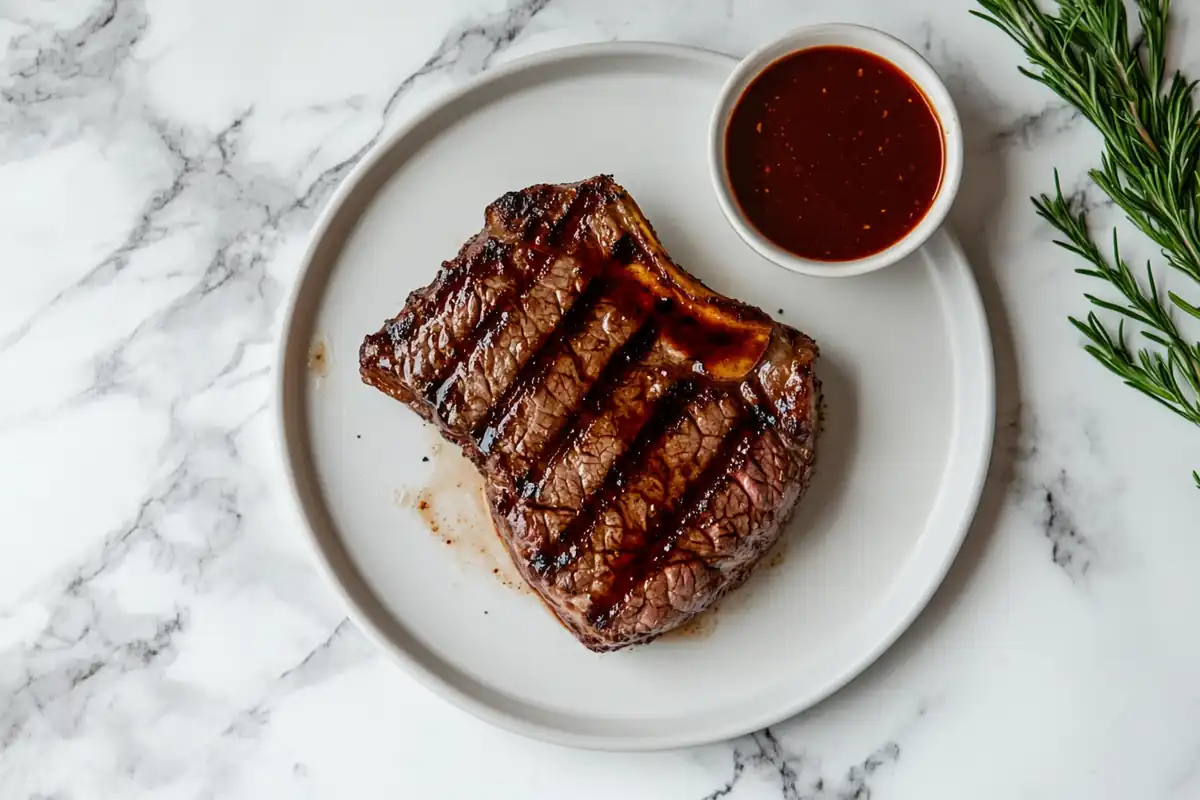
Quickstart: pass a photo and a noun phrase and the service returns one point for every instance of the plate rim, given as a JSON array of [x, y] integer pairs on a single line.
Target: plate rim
[[282, 406]]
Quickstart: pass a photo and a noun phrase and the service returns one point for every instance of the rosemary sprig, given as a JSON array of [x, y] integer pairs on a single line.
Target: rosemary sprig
[[1151, 131], [1147, 371]]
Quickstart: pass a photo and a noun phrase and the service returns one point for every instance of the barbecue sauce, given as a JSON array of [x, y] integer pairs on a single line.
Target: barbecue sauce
[[833, 153]]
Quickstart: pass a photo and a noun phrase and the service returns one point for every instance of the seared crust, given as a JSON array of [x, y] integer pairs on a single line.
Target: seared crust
[[643, 439]]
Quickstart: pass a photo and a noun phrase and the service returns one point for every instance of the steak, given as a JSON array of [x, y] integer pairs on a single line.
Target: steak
[[642, 438]]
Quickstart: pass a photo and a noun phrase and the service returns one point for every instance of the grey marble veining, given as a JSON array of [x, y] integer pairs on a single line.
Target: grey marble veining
[[162, 633], [798, 775]]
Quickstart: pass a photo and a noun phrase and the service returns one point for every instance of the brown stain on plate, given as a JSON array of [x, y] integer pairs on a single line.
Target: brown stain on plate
[[777, 554], [454, 509], [318, 357], [700, 626]]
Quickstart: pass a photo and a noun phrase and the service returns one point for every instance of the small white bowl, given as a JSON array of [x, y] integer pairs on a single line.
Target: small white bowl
[[903, 58]]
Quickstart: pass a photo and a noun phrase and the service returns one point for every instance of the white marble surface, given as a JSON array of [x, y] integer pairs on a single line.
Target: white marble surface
[[162, 630]]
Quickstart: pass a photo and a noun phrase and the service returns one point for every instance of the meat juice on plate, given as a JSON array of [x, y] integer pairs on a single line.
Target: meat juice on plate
[[318, 358], [452, 506]]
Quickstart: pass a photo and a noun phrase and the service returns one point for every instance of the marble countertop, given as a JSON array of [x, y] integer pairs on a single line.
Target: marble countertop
[[163, 631]]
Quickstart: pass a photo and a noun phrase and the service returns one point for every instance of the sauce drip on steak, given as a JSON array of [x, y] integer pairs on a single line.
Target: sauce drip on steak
[[643, 439]]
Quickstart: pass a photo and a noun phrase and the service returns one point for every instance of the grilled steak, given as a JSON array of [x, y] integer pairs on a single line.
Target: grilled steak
[[643, 439]]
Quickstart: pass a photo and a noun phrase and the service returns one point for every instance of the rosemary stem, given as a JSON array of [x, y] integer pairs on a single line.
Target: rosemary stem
[[1151, 133]]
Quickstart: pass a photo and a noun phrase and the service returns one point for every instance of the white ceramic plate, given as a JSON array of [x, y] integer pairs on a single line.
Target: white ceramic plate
[[906, 364]]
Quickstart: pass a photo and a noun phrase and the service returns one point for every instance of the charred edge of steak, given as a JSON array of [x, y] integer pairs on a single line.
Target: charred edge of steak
[[536, 215], [479, 258], [492, 321]]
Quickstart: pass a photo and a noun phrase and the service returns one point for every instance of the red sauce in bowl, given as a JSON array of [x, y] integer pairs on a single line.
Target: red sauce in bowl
[[833, 153]]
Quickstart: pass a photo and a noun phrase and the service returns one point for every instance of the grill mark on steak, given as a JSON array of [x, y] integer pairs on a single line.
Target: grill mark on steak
[[748, 495], [529, 430], [714, 551], [629, 524], [584, 466], [523, 215], [518, 334], [667, 412], [491, 255], [615, 372], [564, 232], [489, 322], [626, 250], [532, 372], [538, 219], [426, 338], [734, 451]]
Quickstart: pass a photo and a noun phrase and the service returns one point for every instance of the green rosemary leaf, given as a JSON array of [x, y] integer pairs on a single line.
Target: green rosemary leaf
[[1083, 51], [1185, 305]]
